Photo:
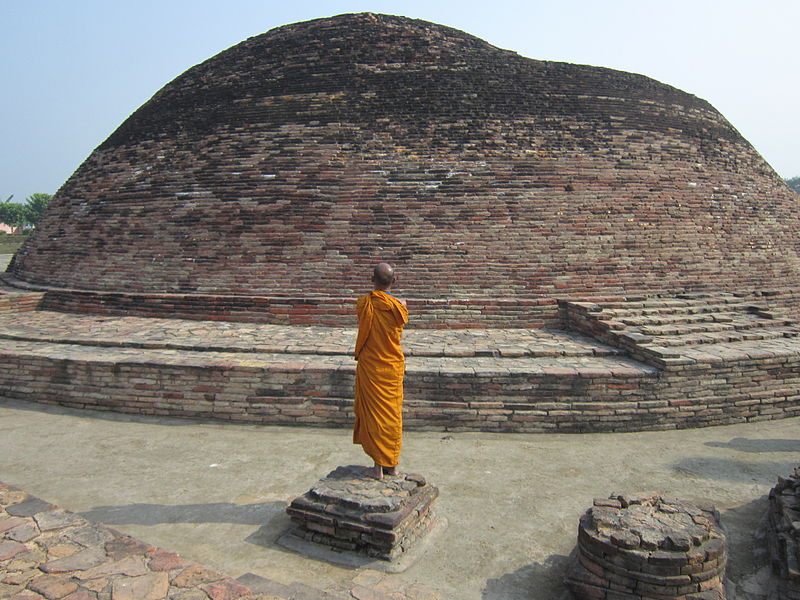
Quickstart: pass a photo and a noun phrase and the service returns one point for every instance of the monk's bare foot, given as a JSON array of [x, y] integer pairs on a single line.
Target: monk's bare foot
[[376, 472], [391, 472]]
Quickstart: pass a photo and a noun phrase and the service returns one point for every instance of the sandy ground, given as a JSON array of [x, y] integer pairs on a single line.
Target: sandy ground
[[216, 493], [4, 260]]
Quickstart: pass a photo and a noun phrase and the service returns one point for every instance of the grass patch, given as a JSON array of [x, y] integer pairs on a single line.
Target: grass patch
[[10, 243]]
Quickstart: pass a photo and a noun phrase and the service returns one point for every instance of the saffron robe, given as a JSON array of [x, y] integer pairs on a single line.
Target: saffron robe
[[379, 377]]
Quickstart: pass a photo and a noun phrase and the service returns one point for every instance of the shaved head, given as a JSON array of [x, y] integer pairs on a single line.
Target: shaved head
[[383, 275]]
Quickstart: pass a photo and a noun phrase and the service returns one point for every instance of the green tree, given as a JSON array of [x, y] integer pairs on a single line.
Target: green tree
[[35, 205], [794, 183], [13, 213]]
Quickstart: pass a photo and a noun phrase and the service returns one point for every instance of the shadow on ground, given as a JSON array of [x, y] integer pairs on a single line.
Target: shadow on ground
[[748, 571], [271, 517], [543, 581], [215, 512], [729, 469], [758, 445]]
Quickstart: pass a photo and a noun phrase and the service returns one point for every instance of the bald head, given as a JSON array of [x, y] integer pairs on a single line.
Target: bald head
[[383, 276]]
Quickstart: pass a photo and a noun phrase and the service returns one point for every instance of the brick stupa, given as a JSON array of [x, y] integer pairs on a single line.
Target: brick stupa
[[581, 249], [276, 172]]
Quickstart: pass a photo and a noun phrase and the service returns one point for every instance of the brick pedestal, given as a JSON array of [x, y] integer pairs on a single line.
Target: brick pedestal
[[648, 547], [783, 534], [350, 511]]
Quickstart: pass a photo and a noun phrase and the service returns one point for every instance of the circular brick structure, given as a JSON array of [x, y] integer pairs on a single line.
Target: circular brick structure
[[284, 167], [648, 546], [783, 534]]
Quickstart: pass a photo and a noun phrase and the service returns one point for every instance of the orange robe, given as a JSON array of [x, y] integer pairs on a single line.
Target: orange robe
[[379, 377]]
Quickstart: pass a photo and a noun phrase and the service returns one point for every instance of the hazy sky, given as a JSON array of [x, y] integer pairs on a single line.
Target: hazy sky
[[74, 70]]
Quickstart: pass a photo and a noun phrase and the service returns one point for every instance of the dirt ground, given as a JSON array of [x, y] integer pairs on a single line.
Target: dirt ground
[[216, 493]]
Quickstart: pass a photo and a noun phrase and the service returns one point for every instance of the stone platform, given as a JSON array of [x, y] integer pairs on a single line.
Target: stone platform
[[646, 546], [720, 360], [349, 511]]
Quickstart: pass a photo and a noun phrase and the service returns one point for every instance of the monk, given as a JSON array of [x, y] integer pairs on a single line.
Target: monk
[[379, 374]]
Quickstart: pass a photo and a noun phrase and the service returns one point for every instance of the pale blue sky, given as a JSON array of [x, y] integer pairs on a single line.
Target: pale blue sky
[[73, 70]]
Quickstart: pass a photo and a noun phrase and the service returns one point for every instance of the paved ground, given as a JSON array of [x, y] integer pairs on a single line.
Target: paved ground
[[47, 552], [216, 493]]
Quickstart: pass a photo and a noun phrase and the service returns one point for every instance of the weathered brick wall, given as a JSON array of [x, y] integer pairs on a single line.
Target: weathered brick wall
[[290, 163], [19, 302], [304, 391]]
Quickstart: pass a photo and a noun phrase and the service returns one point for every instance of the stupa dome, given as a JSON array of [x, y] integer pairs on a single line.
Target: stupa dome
[[289, 164]]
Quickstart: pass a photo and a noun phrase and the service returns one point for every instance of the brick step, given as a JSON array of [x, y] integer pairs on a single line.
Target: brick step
[[655, 330], [681, 318], [690, 309], [711, 327], [11, 301], [723, 337], [676, 303], [441, 394], [665, 319], [249, 338], [695, 319]]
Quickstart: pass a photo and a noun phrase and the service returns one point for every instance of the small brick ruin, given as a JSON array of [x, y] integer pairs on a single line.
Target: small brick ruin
[[645, 547], [783, 534], [350, 511]]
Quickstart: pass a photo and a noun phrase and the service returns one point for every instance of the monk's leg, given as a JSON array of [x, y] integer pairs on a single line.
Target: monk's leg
[[376, 471]]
